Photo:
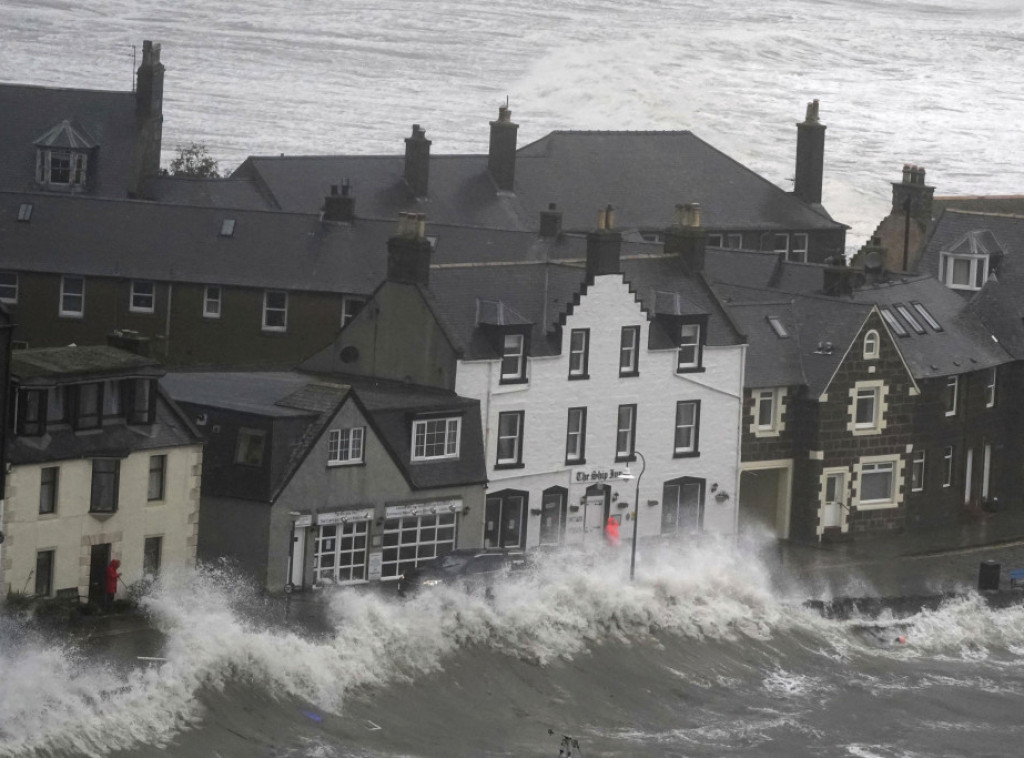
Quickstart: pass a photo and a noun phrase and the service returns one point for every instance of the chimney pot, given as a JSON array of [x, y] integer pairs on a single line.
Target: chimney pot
[[339, 207], [810, 157]]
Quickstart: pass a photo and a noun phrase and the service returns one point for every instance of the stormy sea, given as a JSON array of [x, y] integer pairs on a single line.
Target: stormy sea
[[708, 653], [931, 82]]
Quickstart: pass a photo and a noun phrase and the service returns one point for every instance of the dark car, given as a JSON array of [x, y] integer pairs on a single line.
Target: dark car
[[471, 568]]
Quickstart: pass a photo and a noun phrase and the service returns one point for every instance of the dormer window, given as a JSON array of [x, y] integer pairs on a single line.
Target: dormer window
[[62, 156], [513, 359], [966, 264], [689, 347]]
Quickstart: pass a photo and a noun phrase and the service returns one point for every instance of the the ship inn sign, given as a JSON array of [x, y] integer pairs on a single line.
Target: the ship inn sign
[[594, 474]]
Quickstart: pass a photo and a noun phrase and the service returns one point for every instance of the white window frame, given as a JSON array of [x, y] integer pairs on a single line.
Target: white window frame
[[629, 351], [78, 162], [689, 340], [213, 301], [510, 427], [345, 446], [275, 310], [909, 318], [350, 307], [948, 467], [798, 248], [579, 354], [514, 354], [879, 391], [871, 345], [715, 240], [977, 270], [576, 436], [780, 243], [917, 470], [690, 429], [451, 434], [991, 379], [772, 398], [870, 465], [141, 301], [8, 287], [65, 295], [952, 382], [734, 242]]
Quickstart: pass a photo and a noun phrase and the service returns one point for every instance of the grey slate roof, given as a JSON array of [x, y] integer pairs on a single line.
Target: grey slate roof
[[108, 118], [51, 365], [216, 193], [642, 174]]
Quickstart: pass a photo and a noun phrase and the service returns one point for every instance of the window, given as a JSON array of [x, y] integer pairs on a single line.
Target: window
[[505, 520], [340, 551], [734, 241], [877, 481], [576, 436], [625, 436], [687, 427], [929, 319], [8, 287], [249, 449], [275, 310], [143, 297], [56, 405], [62, 167], [949, 395], [917, 471], [44, 573], [350, 306], [579, 353], [513, 358], [152, 551], [49, 483], [25, 212], [777, 326], [963, 272], [31, 413], [227, 227], [714, 240], [88, 405], [893, 322], [909, 318], [866, 412], [780, 243], [510, 439], [871, 345], [689, 347], [113, 395], [211, 302], [435, 438], [947, 466], [139, 401], [157, 477], [345, 446], [798, 252], [990, 386], [105, 474], [767, 412], [414, 539], [629, 345], [72, 296]]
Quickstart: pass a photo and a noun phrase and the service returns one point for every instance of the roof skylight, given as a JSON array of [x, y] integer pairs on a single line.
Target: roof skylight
[[227, 227], [893, 323], [905, 312], [777, 326], [927, 316]]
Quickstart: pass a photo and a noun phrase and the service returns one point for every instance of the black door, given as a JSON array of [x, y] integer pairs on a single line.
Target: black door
[[98, 571]]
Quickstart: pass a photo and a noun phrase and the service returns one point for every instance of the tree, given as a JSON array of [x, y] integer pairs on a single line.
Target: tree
[[194, 161]]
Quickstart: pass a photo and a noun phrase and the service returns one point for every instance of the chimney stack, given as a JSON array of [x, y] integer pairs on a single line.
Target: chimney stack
[[687, 238], [604, 245], [501, 155], [912, 194], [810, 156], [130, 340], [340, 207], [149, 119], [837, 277], [417, 161], [409, 251], [551, 221]]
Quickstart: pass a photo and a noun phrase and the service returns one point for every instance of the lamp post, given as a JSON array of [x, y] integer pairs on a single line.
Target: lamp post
[[636, 512]]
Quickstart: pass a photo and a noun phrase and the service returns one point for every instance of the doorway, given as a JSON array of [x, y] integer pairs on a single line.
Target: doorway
[[505, 520], [98, 560], [553, 516], [297, 572], [682, 510], [595, 514]]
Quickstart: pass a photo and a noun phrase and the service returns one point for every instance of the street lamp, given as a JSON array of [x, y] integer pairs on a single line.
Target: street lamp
[[627, 474]]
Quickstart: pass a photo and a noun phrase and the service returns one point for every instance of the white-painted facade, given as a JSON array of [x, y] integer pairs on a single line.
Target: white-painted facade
[[71, 531], [546, 397]]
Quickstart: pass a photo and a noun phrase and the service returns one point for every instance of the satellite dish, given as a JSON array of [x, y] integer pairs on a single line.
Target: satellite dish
[[873, 261]]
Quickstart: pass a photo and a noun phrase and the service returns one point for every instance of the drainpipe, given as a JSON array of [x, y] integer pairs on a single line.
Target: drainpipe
[[167, 322]]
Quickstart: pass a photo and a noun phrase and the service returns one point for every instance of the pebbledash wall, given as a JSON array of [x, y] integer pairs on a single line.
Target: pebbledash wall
[[605, 307], [71, 530]]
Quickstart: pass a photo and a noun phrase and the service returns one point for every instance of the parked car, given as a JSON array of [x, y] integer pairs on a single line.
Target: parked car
[[472, 568]]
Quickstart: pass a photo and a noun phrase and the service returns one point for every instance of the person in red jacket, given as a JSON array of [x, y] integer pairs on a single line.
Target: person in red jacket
[[611, 532], [110, 583]]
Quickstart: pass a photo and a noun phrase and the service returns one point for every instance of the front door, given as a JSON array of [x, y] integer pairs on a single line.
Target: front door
[[682, 510], [835, 496], [595, 514], [553, 514], [505, 520], [98, 560]]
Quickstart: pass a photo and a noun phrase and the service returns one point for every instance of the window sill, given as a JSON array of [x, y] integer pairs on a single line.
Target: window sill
[[513, 380], [575, 461], [690, 369], [575, 377], [276, 331], [141, 312], [435, 459], [687, 454], [879, 506], [78, 316], [498, 466], [102, 515], [343, 464], [625, 458]]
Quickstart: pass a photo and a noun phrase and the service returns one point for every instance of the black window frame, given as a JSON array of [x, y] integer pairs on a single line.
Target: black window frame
[[148, 569], [158, 474], [95, 493], [583, 372], [49, 491], [45, 562], [34, 424], [134, 413], [81, 421], [242, 452], [631, 455], [633, 368], [569, 460], [517, 460]]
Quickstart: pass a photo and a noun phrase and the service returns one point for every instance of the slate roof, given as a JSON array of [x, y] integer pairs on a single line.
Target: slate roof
[[755, 286], [108, 118], [216, 193], [642, 174], [42, 367], [1005, 231], [1012, 204], [316, 399], [541, 293]]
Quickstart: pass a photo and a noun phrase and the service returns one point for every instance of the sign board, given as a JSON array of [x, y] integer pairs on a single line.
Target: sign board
[[594, 474], [374, 570], [304, 520], [343, 517], [453, 505]]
